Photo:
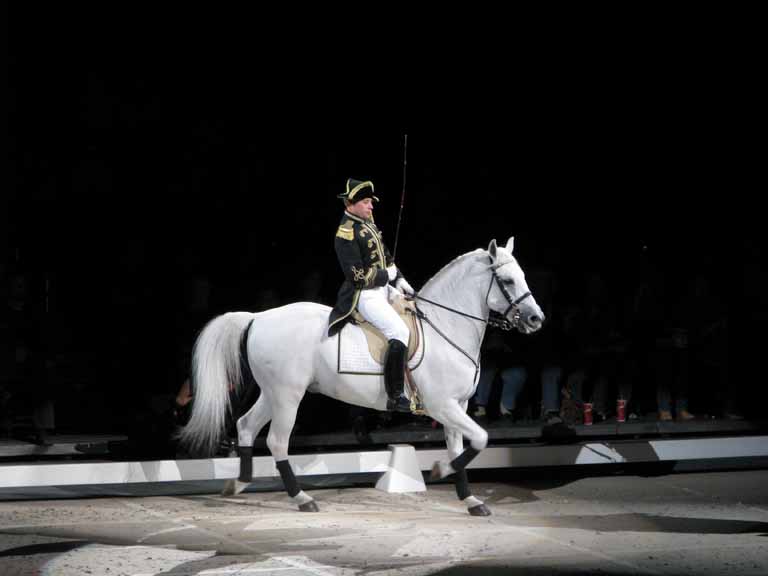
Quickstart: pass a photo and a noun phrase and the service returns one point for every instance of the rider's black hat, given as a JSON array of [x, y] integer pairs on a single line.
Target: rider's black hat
[[357, 190]]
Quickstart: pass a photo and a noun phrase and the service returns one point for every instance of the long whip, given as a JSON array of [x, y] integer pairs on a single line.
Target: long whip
[[402, 197]]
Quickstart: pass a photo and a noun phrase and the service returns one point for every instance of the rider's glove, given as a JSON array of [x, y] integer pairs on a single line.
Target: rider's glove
[[404, 287]]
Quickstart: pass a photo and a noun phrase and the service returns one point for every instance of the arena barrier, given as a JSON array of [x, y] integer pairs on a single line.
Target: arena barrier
[[400, 466]]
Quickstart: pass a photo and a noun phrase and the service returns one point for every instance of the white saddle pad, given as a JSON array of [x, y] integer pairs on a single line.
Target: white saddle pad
[[355, 357]]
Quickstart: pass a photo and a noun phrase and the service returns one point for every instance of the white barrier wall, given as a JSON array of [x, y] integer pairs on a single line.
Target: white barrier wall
[[89, 473]]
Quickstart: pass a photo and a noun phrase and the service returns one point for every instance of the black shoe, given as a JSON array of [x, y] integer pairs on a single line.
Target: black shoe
[[399, 404], [41, 437], [361, 430], [551, 417]]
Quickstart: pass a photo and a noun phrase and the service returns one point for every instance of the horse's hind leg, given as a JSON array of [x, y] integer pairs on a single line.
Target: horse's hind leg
[[457, 424], [283, 419], [248, 427]]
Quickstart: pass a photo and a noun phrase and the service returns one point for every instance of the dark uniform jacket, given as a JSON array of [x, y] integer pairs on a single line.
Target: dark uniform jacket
[[363, 258]]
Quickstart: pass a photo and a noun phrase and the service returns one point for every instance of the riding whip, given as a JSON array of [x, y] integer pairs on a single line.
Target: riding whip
[[402, 197]]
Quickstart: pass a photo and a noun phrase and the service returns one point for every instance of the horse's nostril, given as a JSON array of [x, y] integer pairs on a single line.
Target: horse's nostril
[[535, 320]]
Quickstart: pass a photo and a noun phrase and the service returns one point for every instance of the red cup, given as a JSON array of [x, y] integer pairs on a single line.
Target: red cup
[[621, 410], [587, 414]]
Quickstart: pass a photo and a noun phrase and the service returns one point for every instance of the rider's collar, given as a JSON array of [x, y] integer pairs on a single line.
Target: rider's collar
[[358, 219]]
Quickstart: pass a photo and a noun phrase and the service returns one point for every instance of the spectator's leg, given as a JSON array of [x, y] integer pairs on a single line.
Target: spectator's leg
[[550, 389], [43, 420], [483, 392], [664, 400], [575, 384], [663, 368], [571, 410], [514, 379], [599, 395], [681, 403]]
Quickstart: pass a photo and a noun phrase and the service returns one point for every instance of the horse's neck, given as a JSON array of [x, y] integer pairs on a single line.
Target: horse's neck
[[461, 285]]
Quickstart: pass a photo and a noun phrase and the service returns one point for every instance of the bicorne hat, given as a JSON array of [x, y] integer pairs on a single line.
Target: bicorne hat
[[357, 190]]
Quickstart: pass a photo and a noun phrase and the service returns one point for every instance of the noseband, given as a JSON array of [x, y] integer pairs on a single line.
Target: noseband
[[495, 319], [502, 321]]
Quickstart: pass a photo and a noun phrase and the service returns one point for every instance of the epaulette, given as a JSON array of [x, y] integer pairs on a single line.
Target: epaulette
[[346, 233]]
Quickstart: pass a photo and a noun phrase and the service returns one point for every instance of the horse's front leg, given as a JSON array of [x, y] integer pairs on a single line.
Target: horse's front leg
[[461, 425], [474, 505]]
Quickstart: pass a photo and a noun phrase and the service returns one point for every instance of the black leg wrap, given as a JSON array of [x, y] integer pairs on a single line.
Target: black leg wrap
[[289, 480], [462, 484], [461, 461], [246, 463]]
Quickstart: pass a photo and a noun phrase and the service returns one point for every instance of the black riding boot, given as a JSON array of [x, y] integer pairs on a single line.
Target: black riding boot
[[394, 377]]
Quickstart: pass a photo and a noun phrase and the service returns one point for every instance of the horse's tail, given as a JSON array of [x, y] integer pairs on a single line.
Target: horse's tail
[[215, 373]]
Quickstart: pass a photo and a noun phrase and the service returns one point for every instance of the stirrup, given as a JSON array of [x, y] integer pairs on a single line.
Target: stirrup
[[399, 404], [417, 408]]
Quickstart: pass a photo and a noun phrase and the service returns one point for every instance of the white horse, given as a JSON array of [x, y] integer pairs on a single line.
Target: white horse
[[289, 352]]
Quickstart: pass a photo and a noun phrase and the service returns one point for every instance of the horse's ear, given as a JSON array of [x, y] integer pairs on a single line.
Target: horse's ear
[[492, 249], [511, 244]]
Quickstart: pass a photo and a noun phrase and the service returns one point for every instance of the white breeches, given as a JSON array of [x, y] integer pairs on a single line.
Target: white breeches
[[375, 308]]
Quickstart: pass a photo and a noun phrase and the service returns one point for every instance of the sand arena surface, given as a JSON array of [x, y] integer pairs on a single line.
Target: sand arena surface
[[704, 523]]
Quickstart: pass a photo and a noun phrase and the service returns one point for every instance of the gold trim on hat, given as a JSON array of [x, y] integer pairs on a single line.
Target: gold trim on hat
[[351, 193]]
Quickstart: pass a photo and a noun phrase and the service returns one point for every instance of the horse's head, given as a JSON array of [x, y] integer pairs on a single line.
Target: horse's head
[[508, 293]]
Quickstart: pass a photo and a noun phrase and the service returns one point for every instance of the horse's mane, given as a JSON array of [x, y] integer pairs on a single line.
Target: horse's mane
[[501, 255], [450, 264]]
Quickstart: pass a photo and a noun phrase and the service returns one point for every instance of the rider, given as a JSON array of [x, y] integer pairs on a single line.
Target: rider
[[368, 269]]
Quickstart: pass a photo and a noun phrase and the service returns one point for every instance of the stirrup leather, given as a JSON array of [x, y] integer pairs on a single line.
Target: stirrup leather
[[417, 406]]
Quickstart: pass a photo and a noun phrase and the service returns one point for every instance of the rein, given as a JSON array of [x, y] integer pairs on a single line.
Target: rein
[[502, 322], [424, 317]]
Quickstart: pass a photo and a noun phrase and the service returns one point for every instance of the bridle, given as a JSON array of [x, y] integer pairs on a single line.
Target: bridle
[[503, 322], [495, 319]]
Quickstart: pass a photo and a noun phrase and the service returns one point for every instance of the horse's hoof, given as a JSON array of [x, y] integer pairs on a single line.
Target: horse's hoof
[[233, 487], [310, 506], [229, 488], [440, 470], [479, 510]]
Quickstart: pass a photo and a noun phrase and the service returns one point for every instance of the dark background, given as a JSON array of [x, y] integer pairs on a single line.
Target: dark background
[[146, 155]]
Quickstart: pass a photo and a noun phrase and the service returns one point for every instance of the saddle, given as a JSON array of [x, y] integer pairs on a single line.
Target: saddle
[[362, 348], [377, 343]]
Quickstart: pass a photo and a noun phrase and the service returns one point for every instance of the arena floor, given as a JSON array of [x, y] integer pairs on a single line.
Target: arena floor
[[695, 523]]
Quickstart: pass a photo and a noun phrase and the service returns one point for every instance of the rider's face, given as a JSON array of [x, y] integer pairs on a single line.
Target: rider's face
[[362, 209]]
